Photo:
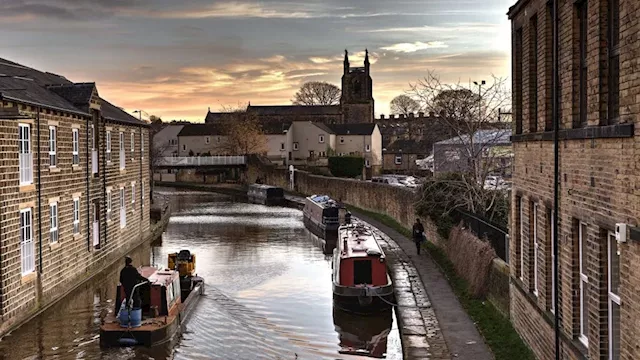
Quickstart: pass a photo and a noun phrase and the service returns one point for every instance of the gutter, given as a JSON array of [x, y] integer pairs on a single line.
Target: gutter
[[39, 106]]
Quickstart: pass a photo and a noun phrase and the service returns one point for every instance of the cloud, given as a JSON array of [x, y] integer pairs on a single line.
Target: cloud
[[274, 59], [234, 10], [444, 28], [416, 46], [324, 60]]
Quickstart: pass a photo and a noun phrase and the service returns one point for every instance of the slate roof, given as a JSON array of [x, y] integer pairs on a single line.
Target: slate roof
[[496, 137], [275, 128], [408, 146], [30, 86], [352, 129], [201, 130], [215, 116], [289, 110], [324, 127]]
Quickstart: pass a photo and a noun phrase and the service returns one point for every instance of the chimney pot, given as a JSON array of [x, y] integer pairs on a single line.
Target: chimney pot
[[432, 114], [411, 115], [401, 116], [421, 114]]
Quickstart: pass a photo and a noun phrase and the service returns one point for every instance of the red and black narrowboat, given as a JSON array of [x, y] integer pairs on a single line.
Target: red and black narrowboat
[[167, 299], [323, 216], [361, 282]]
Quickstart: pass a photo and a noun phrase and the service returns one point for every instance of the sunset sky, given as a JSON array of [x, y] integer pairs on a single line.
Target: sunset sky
[[177, 58]]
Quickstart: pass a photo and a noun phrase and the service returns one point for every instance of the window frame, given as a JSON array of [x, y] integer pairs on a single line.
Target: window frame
[[207, 140], [397, 159], [553, 259], [133, 194], [53, 146], [54, 223], [109, 203], [521, 204], [536, 245], [141, 144], [142, 193], [367, 148], [612, 297], [26, 241], [108, 149], [583, 336], [282, 147], [133, 145], [613, 50], [295, 146], [367, 163], [583, 38], [25, 144], [533, 74], [76, 216], [321, 138], [123, 208], [341, 139], [75, 146]]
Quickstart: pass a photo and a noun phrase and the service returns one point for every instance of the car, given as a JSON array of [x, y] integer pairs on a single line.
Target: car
[[386, 180]]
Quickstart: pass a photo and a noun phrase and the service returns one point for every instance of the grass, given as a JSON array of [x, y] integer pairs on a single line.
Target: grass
[[497, 330]]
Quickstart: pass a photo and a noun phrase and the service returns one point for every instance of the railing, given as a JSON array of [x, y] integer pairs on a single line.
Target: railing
[[26, 168], [203, 160], [498, 237], [94, 161], [96, 233], [123, 159]]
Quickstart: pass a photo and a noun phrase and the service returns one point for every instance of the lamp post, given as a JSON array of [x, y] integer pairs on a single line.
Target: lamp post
[[479, 85]]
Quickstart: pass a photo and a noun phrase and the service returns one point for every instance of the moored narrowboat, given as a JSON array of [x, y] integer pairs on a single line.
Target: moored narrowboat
[[323, 216], [265, 194], [167, 299], [361, 282]]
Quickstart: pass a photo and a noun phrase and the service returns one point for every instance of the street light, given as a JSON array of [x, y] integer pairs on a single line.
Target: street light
[[479, 97], [140, 113]]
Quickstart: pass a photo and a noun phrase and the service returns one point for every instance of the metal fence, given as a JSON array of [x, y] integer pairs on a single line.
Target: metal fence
[[497, 236], [203, 161]]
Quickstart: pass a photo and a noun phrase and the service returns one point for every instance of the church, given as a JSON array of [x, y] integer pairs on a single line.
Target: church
[[356, 102]]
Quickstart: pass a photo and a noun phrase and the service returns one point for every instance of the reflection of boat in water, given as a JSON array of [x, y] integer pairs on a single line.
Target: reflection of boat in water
[[323, 216], [360, 279], [167, 299], [362, 335]]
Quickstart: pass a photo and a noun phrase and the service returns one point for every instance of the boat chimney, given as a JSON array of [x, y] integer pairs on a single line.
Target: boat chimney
[[345, 244]]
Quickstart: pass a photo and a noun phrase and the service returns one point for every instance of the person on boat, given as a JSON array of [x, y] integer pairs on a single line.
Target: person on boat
[[418, 234], [130, 277]]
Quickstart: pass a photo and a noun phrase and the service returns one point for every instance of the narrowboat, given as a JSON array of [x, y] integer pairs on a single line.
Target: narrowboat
[[265, 194], [361, 283], [167, 299], [323, 216], [363, 335]]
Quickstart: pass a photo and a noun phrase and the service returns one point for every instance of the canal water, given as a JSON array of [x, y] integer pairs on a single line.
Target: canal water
[[268, 294]]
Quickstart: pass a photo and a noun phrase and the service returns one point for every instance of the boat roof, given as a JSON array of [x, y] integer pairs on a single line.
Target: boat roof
[[158, 276], [264, 186], [324, 201], [361, 242]]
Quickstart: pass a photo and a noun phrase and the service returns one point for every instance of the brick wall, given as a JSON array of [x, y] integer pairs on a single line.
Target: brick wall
[[63, 264], [598, 180]]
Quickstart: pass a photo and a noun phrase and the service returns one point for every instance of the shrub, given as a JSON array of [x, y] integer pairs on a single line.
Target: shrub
[[472, 259], [346, 166]]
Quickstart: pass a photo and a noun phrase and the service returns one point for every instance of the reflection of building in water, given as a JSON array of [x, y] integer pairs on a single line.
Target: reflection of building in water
[[362, 335]]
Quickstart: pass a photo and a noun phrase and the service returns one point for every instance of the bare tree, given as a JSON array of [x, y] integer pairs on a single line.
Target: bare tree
[[243, 131], [465, 114], [317, 93], [405, 105]]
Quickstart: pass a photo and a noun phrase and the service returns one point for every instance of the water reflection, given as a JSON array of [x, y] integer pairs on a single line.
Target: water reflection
[[268, 294], [361, 335]]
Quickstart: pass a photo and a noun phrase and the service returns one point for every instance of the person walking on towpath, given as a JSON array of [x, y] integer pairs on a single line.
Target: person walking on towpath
[[418, 234]]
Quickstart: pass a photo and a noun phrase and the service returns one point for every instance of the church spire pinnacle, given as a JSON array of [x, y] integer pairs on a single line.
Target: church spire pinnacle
[[346, 61]]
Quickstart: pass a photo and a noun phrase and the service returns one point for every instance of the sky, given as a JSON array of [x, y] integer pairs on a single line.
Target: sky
[[176, 59]]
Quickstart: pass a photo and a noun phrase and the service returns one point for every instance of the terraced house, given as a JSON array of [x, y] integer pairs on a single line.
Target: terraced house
[[598, 96], [74, 176]]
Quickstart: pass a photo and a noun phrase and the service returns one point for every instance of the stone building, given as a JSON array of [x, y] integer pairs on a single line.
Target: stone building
[[491, 148], [402, 154], [598, 151], [356, 102], [202, 140], [75, 187]]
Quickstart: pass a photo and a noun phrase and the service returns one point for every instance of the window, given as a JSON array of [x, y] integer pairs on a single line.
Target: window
[[281, 146], [341, 139], [76, 216], [367, 148], [108, 205], [321, 139], [582, 44], [519, 81], [53, 216], [93, 138], [184, 147], [584, 282], [207, 140], [108, 154], [173, 142], [27, 252], [53, 158], [133, 193], [25, 157], [534, 232], [142, 193], [521, 234], [548, 66], [122, 154], [533, 75], [123, 210], [141, 145], [553, 260], [75, 146], [613, 106], [133, 145], [613, 267], [367, 163], [295, 146], [398, 159]]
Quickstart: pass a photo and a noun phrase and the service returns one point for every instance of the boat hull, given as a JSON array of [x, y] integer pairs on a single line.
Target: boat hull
[[153, 331], [362, 300], [266, 201], [328, 233]]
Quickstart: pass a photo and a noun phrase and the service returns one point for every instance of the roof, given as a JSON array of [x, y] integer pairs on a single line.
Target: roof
[[289, 110], [30, 86], [215, 116], [361, 242], [408, 146], [496, 137], [324, 127], [201, 130], [516, 8], [352, 129], [275, 128]]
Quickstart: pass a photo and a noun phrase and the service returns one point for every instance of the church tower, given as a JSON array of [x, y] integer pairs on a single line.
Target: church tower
[[357, 92]]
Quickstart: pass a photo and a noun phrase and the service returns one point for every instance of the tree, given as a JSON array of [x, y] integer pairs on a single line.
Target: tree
[[405, 105], [243, 131], [463, 112], [317, 93]]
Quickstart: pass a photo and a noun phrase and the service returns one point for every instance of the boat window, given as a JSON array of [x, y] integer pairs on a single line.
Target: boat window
[[362, 272], [170, 293]]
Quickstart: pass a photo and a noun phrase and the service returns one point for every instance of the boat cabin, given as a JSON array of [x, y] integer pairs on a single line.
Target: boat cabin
[[265, 194], [322, 208], [361, 260], [161, 296]]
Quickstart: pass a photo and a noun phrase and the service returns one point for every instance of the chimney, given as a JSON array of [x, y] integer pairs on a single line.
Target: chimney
[[381, 116], [209, 108], [392, 116], [411, 115], [421, 114], [401, 116], [432, 114]]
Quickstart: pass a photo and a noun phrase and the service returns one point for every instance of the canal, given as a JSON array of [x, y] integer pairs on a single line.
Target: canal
[[268, 294]]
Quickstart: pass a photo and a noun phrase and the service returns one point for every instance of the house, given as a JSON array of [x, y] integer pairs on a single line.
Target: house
[[402, 154], [165, 141], [456, 154], [309, 143], [363, 140], [598, 178], [75, 182], [201, 140], [276, 134]]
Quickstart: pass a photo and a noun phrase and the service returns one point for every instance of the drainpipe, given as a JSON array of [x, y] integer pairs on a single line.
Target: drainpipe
[[39, 195], [556, 176], [89, 182], [104, 184]]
